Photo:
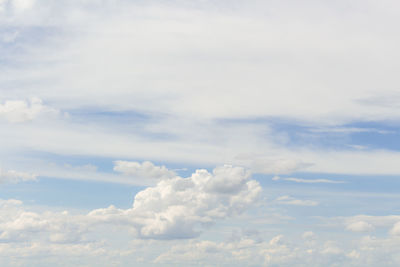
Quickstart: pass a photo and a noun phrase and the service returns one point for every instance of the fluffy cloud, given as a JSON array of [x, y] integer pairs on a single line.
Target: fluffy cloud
[[21, 111], [366, 223], [181, 207], [145, 170], [395, 229], [174, 208], [11, 176], [278, 251], [19, 225], [360, 226], [27, 235]]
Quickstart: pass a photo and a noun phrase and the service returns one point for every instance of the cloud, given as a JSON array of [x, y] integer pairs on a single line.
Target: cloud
[[395, 229], [366, 223], [9, 37], [173, 209], [288, 200], [332, 248], [145, 170], [264, 95], [353, 255], [30, 235], [22, 111], [308, 181], [11, 176], [21, 5], [271, 165], [349, 130], [360, 226], [181, 207], [278, 251], [179, 36], [19, 225], [376, 221], [309, 235]]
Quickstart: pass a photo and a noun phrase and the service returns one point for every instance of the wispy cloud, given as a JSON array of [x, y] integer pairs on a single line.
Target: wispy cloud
[[11, 176], [288, 200], [308, 181]]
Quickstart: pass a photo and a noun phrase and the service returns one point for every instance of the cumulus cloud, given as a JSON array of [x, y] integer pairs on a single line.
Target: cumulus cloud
[[22, 111], [145, 170], [19, 225], [175, 208], [395, 229], [365, 223], [360, 226], [309, 235], [288, 200], [11, 176], [331, 248], [278, 251], [181, 207], [27, 235]]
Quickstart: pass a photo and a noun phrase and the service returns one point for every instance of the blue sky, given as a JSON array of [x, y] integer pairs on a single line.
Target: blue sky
[[204, 133]]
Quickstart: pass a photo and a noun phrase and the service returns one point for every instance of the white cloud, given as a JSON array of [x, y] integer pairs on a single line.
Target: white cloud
[[365, 223], [11, 176], [9, 37], [376, 221], [308, 181], [288, 200], [156, 45], [21, 5], [201, 25], [395, 229], [349, 130], [353, 255], [181, 207], [332, 248], [309, 235], [145, 170], [278, 251], [271, 165], [19, 225], [360, 226], [101, 236], [173, 209], [22, 111]]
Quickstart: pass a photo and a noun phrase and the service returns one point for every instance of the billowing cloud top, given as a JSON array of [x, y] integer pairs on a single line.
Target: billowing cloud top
[[181, 207]]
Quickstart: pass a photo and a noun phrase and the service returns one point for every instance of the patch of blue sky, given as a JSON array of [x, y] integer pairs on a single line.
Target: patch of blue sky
[[389, 184], [353, 136], [377, 135], [373, 195]]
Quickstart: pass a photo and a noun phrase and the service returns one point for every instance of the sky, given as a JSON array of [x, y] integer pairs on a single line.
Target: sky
[[199, 133]]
